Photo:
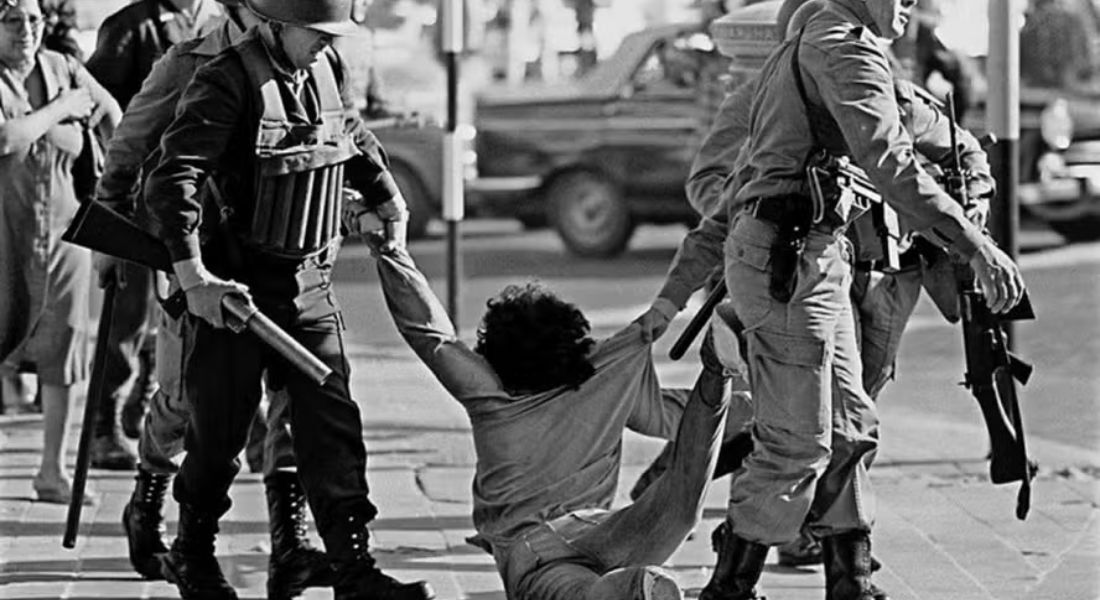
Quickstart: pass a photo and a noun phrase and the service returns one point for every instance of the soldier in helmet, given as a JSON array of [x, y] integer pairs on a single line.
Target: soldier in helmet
[[265, 128], [294, 564]]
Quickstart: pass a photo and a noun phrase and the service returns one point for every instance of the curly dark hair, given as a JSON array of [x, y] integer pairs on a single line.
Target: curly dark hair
[[534, 340]]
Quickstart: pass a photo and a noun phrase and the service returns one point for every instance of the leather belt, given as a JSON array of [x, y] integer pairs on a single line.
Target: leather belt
[[783, 210], [907, 261]]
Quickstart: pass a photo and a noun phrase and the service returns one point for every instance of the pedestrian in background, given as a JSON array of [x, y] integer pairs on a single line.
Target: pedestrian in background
[[128, 43], [46, 101]]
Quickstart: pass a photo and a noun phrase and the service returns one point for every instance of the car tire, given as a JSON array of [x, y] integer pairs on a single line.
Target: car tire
[[590, 215], [1081, 229], [416, 196]]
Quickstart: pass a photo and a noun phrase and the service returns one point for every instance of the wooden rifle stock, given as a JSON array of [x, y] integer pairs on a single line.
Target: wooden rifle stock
[[698, 321]]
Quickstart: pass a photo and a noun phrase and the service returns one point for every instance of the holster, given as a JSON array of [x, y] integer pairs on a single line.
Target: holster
[[792, 217]]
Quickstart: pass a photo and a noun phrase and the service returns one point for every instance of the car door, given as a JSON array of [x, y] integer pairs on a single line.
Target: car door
[[656, 123]]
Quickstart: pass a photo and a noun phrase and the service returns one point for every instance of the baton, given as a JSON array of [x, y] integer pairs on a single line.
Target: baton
[[91, 408], [687, 336], [246, 316]]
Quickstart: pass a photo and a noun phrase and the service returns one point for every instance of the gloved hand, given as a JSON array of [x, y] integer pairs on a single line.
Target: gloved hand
[[205, 291], [109, 268], [998, 276], [656, 319]]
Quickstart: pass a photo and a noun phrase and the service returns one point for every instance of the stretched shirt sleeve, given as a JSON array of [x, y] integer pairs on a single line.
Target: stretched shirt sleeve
[[209, 112], [423, 323], [699, 255], [138, 136], [857, 88]]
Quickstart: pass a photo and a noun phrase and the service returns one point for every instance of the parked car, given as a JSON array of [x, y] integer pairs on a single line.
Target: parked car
[[596, 156]]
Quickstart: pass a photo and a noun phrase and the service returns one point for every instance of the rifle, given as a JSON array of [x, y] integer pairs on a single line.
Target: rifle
[[992, 370], [103, 230]]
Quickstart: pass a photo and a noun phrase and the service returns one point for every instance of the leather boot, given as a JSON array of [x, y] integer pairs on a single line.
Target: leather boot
[[357, 575], [740, 563], [143, 520], [848, 567], [190, 564], [294, 564]]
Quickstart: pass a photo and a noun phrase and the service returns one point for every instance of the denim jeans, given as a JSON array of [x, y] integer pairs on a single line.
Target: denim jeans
[[814, 427], [603, 554]]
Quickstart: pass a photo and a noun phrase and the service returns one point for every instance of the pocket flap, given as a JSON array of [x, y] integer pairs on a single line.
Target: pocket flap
[[754, 256], [789, 349]]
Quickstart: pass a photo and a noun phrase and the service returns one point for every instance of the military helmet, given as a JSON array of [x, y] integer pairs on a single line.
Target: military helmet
[[328, 16]]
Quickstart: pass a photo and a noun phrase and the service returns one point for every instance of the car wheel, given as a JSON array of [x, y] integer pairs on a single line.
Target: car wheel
[[589, 213], [1081, 229], [416, 196]]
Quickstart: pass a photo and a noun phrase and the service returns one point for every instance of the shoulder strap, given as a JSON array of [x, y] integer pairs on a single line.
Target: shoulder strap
[[796, 71]]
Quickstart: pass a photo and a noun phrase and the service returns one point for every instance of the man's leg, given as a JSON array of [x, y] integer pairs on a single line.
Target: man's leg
[[294, 564], [222, 372], [843, 510], [789, 360], [328, 444], [160, 443], [128, 328]]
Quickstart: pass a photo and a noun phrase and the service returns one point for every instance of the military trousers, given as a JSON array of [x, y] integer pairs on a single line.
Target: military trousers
[[222, 373], [160, 446], [814, 427]]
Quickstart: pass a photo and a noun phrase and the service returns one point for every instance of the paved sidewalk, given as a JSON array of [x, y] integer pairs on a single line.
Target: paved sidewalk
[[944, 532]]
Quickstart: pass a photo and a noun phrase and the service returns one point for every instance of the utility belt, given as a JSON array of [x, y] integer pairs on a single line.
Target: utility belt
[[793, 217]]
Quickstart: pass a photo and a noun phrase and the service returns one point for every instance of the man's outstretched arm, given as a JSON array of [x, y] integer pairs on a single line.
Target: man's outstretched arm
[[424, 324]]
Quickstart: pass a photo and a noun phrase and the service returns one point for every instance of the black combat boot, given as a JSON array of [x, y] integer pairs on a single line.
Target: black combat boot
[[294, 564], [848, 567], [190, 564], [740, 563], [357, 575], [143, 520]]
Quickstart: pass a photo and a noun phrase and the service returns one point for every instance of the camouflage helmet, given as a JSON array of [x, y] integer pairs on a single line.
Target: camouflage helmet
[[327, 16]]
